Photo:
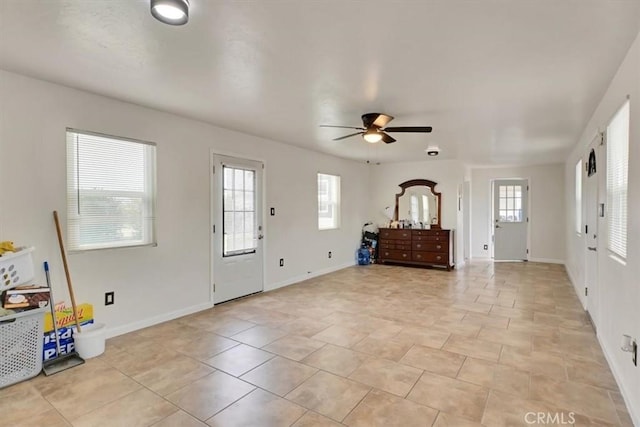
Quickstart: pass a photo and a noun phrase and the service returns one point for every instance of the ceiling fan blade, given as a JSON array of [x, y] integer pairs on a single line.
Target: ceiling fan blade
[[423, 129], [348, 136], [341, 127], [388, 139], [382, 120]]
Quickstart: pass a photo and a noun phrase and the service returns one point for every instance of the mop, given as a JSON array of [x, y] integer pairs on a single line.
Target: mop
[[62, 361]]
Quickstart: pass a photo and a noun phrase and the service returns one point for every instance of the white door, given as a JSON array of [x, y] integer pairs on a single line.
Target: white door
[[590, 213], [237, 228], [510, 219]]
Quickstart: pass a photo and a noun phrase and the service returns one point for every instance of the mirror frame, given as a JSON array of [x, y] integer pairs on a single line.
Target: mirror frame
[[419, 182]]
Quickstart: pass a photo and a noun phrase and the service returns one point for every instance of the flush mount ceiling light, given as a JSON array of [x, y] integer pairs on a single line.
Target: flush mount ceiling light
[[372, 136], [172, 12]]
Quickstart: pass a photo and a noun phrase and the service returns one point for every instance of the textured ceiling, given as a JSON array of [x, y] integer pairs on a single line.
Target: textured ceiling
[[501, 82]]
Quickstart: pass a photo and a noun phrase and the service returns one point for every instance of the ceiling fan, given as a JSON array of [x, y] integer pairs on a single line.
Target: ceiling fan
[[374, 128]]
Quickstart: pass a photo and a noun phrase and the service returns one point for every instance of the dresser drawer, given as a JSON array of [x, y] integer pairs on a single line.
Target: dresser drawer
[[430, 246], [395, 244], [399, 234], [395, 255], [430, 232], [434, 257], [439, 238]]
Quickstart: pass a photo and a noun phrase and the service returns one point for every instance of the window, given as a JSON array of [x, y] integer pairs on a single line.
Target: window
[[415, 209], [510, 197], [328, 201], [239, 208], [617, 178], [425, 210], [110, 191], [578, 200]]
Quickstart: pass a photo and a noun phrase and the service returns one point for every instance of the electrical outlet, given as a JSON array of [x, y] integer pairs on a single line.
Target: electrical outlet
[[329, 254], [281, 262], [109, 298], [273, 212], [486, 247]]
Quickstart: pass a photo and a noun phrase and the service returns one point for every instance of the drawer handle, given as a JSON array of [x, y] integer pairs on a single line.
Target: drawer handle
[[439, 247], [438, 257], [418, 246], [386, 254], [418, 256], [404, 255]]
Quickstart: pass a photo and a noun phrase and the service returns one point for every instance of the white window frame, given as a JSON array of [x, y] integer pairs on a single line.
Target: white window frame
[[75, 218], [578, 197], [617, 142], [328, 201]]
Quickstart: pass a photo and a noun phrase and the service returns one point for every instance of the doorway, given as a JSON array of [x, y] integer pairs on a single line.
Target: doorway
[[591, 173], [510, 219], [238, 268]]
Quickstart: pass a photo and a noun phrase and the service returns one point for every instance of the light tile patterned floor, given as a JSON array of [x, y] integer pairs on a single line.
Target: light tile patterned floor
[[365, 346]]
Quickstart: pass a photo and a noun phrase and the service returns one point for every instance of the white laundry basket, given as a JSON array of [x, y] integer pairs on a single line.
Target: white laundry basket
[[21, 346], [16, 269]]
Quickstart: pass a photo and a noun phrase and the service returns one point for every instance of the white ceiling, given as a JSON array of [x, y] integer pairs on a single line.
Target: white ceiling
[[500, 81]]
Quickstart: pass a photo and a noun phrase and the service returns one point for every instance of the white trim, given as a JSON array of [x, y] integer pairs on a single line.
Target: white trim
[[635, 417], [304, 277], [547, 260], [130, 327]]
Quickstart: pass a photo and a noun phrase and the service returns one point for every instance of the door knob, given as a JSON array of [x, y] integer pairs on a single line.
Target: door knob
[[497, 226], [260, 237]]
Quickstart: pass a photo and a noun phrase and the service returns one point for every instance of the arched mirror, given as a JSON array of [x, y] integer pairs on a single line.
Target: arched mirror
[[418, 203]]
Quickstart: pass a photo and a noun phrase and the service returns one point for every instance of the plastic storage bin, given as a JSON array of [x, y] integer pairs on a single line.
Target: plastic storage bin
[[16, 269], [21, 346]]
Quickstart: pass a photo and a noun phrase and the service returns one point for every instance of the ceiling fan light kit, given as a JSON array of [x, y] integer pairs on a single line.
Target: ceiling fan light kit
[[372, 136], [374, 128], [172, 12]]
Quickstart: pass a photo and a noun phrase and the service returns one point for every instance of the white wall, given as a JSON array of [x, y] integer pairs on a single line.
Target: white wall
[[449, 174], [546, 210], [152, 284], [619, 287]]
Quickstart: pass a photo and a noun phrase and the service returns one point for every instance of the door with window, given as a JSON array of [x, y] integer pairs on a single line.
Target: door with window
[[510, 220], [237, 228], [590, 188]]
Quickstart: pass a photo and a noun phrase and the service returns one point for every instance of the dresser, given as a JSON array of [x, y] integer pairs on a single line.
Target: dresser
[[417, 247]]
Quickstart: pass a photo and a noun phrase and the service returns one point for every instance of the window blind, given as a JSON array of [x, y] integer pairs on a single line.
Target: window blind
[[328, 201], [110, 191], [617, 180]]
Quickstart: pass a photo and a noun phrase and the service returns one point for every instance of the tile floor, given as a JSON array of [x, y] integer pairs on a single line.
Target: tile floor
[[363, 347]]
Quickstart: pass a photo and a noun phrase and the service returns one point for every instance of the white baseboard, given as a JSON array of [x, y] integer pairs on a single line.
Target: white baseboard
[[307, 276], [114, 332], [547, 260], [634, 412]]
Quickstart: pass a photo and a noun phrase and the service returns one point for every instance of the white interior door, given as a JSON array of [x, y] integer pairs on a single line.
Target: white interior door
[[237, 228], [510, 219], [590, 213]]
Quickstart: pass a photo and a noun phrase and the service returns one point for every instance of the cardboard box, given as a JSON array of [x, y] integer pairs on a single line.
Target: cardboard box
[[26, 297], [65, 317], [65, 335]]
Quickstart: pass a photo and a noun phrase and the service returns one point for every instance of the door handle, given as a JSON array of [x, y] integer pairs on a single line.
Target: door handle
[[594, 249], [260, 237], [497, 226]]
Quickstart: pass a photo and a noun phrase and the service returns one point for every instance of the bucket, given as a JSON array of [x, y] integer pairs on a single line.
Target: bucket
[[90, 342]]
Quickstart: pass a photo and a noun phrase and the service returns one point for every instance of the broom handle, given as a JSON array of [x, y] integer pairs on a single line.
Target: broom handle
[[66, 270]]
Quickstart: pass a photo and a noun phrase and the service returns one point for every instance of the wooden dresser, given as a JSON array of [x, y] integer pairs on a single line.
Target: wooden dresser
[[416, 247]]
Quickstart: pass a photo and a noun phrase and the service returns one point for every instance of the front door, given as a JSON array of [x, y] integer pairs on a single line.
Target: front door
[[594, 164], [237, 228], [510, 220]]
